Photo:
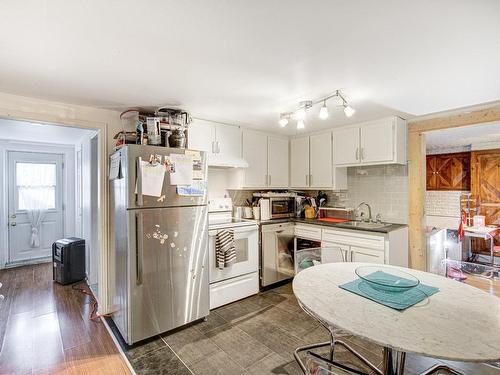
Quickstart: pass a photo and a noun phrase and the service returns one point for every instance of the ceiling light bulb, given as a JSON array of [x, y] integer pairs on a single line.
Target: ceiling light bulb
[[283, 122], [300, 114], [323, 112], [348, 110], [301, 124]]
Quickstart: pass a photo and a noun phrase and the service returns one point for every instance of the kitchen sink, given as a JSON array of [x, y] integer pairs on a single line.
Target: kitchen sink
[[366, 225]]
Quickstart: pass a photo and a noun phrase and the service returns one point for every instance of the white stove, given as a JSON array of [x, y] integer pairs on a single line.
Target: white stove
[[240, 279], [220, 215]]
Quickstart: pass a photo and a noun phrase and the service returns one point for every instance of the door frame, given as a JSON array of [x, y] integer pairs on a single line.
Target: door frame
[[416, 170], [67, 199], [62, 116]]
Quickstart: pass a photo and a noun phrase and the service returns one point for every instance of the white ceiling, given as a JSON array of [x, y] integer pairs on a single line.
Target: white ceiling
[[24, 131], [463, 137], [245, 62]]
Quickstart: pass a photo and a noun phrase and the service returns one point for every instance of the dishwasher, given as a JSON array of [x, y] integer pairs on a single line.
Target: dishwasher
[[276, 261]]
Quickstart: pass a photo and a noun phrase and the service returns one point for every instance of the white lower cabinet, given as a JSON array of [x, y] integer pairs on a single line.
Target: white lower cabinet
[[366, 247], [360, 254], [332, 252]]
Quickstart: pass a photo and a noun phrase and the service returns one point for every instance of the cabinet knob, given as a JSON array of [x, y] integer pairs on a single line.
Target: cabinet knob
[[13, 224]]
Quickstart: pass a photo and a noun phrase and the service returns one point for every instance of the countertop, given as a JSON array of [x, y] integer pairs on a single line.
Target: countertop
[[386, 229]]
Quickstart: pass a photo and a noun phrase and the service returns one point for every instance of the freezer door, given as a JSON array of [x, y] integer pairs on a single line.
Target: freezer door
[[169, 284], [130, 156]]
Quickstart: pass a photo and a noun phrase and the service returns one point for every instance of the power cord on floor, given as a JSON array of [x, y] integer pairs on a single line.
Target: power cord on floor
[[93, 301]]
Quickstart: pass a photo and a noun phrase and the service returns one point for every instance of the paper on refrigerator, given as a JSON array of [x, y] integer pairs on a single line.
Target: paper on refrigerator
[[115, 166], [152, 179], [183, 169]]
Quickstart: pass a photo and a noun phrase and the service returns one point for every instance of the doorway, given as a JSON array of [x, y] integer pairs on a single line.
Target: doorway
[[418, 131], [35, 205], [50, 179]]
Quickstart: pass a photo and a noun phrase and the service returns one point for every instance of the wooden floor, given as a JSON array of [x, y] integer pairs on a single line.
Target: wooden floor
[[44, 328]]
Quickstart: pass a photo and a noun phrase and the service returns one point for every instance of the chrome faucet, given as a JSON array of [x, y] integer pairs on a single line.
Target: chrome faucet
[[369, 210]]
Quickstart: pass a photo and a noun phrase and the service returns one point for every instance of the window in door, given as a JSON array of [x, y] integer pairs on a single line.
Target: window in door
[[36, 186]]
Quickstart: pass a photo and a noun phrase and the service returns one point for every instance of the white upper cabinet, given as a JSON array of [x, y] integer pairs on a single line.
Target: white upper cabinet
[[376, 142], [255, 153], [227, 142], [299, 162], [277, 162], [201, 136], [346, 146], [221, 142], [311, 164], [320, 161]]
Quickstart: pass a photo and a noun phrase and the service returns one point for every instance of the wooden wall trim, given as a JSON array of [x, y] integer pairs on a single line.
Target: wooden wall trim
[[416, 172], [457, 120]]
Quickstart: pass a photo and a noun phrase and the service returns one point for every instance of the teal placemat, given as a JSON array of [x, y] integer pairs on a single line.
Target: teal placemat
[[395, 300]]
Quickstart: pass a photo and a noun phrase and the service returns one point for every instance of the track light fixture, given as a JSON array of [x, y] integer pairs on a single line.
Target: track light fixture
[[301, 112], [323, 111], [283, 121]]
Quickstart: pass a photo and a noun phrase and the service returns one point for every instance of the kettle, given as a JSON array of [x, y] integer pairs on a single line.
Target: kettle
[[177, 139]]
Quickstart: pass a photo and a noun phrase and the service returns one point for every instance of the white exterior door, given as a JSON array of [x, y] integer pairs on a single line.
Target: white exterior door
[[35, 204], [255, 153], [321, 161], [299, 162], [377, 142], [346, 146], [277, 162]]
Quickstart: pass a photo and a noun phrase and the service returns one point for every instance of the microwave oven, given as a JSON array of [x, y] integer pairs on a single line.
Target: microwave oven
[[277, 208]]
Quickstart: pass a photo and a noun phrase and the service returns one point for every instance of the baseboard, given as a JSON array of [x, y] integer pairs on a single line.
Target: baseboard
[[29, 262]]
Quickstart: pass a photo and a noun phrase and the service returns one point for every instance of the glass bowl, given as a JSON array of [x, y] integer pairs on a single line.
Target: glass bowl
[[387, 279]]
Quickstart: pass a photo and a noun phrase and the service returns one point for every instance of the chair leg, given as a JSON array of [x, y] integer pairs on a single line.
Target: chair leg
[[437, 368], [359, 356]]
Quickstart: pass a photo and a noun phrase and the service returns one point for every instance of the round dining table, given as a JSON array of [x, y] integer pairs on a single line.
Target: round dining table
[[458, 323]]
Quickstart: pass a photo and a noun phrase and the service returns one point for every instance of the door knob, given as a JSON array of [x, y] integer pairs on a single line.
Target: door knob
[[13, 216], [13, 224]]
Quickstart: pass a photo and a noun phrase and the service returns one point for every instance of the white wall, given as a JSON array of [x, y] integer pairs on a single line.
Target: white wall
[[68, 153]]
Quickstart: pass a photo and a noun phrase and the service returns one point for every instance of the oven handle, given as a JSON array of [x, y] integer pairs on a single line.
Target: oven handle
[[213, 232]]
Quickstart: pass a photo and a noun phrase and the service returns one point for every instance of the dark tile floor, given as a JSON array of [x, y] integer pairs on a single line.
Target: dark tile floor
[[255, 336]]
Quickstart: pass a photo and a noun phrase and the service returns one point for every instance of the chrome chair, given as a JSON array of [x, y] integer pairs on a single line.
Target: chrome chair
[[308, 258]]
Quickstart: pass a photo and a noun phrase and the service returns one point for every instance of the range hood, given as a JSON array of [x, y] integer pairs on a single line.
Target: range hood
[[221, 161]]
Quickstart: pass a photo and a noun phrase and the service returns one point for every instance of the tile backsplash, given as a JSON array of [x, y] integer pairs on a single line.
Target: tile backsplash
[[384, 187], [442, 203]]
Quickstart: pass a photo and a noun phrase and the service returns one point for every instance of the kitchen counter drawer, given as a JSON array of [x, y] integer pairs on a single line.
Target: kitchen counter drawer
[[308, 231], [354, 238]]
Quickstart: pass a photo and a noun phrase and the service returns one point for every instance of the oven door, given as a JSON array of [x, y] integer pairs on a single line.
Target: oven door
[[281, 208], [247, 254]]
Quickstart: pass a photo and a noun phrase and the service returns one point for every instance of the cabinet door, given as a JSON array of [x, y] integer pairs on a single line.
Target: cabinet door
[[201, 136], [228, 141], [360, 254], [453, 171], [255, 153], [320, 160], [299, 162], [377, 142], [332, 252], [431, 172], [277, 162], [346, 146]]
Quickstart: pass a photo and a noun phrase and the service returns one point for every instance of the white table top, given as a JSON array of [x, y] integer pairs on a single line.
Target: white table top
[[459, 322]]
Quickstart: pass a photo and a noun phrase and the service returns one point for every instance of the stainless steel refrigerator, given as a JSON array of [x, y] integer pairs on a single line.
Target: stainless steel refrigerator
[[160, 245]]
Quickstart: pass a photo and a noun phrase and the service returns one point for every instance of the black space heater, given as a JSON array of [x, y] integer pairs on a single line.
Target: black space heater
[[68, 258]]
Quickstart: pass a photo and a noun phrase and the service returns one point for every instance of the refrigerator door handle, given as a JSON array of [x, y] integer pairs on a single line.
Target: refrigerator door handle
[[138, 173], [139, 231]]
